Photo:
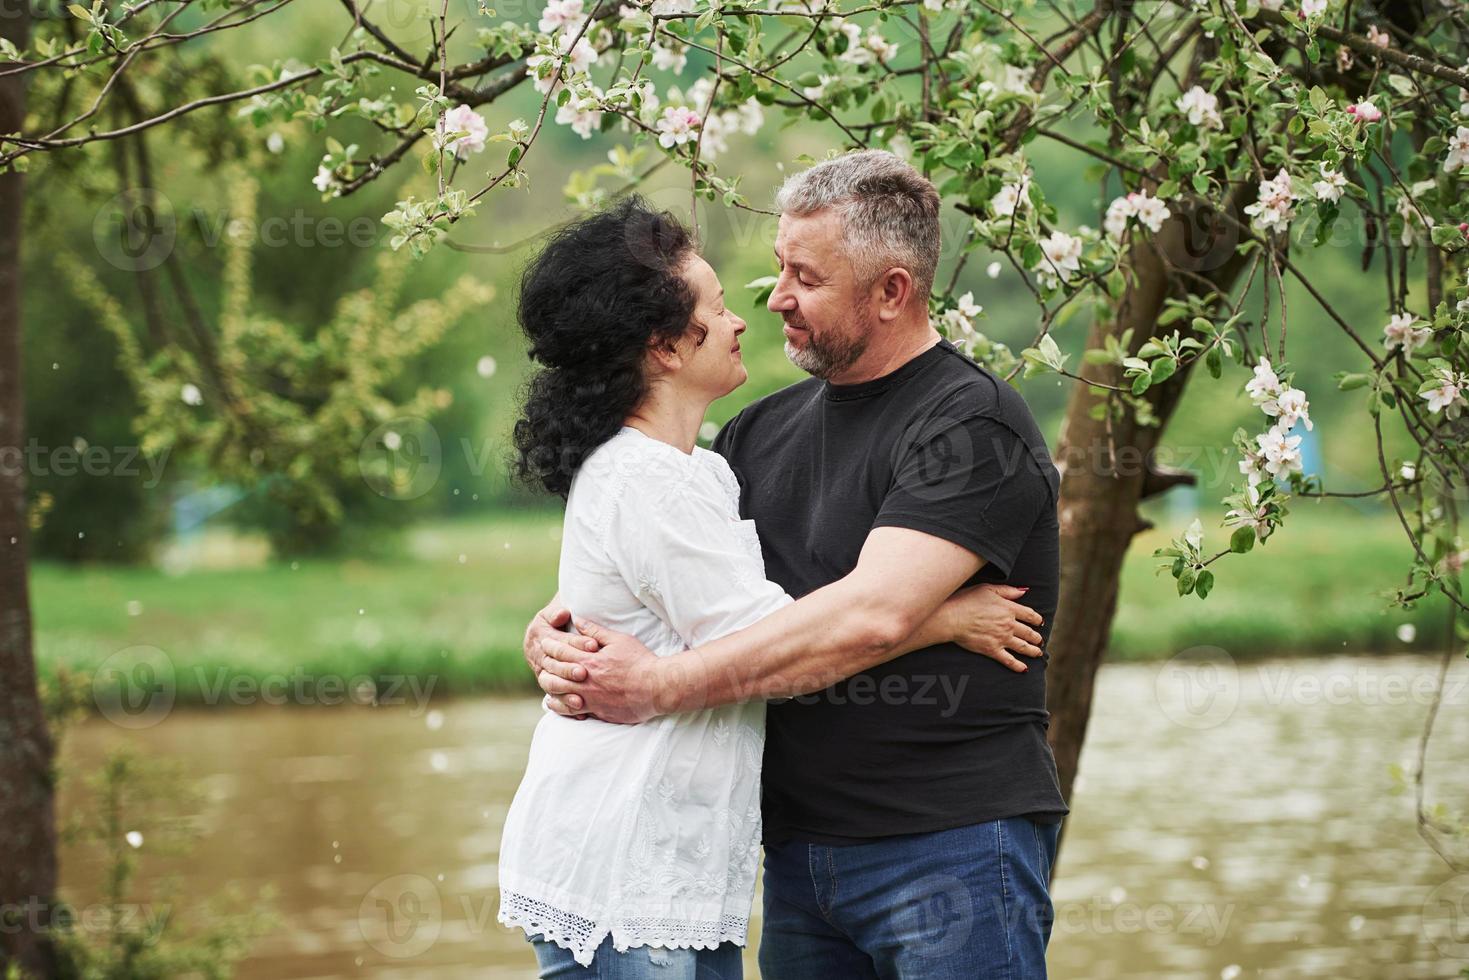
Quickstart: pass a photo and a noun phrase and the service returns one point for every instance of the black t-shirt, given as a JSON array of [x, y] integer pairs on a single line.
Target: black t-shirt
[[940, 737]]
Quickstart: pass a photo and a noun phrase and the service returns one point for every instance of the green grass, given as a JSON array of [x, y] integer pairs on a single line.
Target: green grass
[[428, 614]]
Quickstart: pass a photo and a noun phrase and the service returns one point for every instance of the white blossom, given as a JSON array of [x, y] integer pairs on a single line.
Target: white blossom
[[1403, 331], [1151, 212], [1060, 257], [1410, 212], [1254, 514], [1290, 406], [1458, 154], [1313, 8], [992, 270], [1202, 108], [191, 395], [672, 57], [562, 13], [662, 7], [324, 180], [1281, 451], [1448, 395], [582, 113], [818, 91], [1378, 37], [1330, 186], [1275, 207], [677, 126], [1264, 386], [463, 119], [1365, 111], [1017, 79], [1012, 197], [577, 59]]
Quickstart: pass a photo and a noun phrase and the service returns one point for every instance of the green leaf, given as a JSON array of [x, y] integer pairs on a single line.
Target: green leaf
[[1446, 235], [1346, 382], [1214, 361], [1140, 383], [1242, 540], [1186, 581], [1204, 584]]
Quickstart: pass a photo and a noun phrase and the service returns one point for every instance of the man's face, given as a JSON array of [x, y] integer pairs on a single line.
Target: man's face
[[828, 319]]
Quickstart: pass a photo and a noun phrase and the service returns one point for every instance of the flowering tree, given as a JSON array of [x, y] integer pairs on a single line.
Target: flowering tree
[[1225, 137]]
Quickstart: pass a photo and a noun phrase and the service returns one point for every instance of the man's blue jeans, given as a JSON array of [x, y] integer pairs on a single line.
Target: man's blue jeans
[[966, 904]]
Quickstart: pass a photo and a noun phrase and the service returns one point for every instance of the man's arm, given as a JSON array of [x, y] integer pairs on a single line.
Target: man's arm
[[901, 579]]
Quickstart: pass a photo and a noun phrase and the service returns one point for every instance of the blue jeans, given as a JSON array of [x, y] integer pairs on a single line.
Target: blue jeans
[[966, 904], [641, 963]]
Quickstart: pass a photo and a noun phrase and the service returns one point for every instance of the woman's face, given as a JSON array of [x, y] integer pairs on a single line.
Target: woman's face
[[714, 367]]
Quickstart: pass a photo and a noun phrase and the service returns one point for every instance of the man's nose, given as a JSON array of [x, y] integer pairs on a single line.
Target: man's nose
[[781, 300]]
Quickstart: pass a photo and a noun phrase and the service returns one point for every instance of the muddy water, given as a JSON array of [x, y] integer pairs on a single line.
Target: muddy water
[[1231, 821]]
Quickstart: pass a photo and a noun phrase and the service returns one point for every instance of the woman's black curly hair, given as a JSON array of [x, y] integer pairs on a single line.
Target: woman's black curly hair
[[601, 292]]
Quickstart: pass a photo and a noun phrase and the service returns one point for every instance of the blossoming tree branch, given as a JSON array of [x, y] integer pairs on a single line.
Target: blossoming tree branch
[[1226, 139]]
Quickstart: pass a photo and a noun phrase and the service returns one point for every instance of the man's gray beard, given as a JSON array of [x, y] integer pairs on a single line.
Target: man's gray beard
[[826, 358]]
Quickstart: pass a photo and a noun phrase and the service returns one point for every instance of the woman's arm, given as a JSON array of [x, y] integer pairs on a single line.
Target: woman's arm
[[987, 619]]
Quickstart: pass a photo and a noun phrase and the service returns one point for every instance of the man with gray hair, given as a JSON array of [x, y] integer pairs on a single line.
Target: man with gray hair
[[911, 808]]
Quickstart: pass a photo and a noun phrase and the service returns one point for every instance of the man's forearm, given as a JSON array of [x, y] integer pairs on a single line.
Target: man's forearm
[[830, 634]]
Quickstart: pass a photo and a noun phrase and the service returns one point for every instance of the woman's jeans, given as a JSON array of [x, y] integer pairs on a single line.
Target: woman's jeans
[[641, 963]]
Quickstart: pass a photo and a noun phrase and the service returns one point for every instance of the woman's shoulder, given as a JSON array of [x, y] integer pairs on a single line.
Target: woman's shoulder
[[632, 465]]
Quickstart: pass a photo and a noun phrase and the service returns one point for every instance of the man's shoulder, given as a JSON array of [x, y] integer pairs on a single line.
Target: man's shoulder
[[959, 387]]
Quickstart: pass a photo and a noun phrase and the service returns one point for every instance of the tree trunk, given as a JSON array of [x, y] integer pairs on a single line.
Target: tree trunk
[[27, 816], [1106, 471]]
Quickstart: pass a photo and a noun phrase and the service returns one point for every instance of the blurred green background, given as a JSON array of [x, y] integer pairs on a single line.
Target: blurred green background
[[446, 581]]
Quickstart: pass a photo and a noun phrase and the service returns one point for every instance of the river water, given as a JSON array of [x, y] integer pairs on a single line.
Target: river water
[[1231, 820]]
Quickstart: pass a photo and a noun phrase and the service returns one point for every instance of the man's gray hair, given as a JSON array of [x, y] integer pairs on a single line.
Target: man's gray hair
[[889, 212]]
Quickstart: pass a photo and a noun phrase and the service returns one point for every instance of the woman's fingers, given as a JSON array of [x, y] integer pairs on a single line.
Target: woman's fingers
[[1025, 614], [1029, 649], [1006, 658]]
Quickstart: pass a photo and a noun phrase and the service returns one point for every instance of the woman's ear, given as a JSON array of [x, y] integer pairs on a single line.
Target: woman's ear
[[665, 357]]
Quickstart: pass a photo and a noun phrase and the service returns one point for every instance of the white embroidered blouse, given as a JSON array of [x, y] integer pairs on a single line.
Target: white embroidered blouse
[[648, 833]]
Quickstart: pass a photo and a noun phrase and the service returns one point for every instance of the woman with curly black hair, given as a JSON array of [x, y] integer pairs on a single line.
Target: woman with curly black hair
[[630, 851]]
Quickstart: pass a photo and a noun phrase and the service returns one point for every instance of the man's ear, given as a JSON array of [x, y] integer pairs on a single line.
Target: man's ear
[[893, 291]]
